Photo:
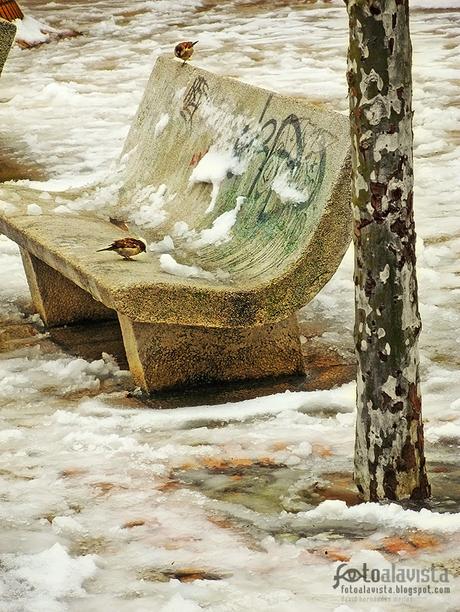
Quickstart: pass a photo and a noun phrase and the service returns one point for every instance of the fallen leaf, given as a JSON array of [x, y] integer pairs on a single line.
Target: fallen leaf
[[133, 523], [423, 540], [169, 485], [396, 545], [119, 223], [336, 555], [72, 472], [321, 450]]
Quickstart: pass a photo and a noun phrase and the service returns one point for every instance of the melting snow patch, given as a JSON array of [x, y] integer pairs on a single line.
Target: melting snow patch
[[213, 168], [31, 31], [162, 246], [171, 266], [338, 400], [162, 123], [286, 191], [34, 209], [32, 372], [220, 231], [39, 581], [66, 525], [149, 203], [391, 516], [178, 604], [182, 230]]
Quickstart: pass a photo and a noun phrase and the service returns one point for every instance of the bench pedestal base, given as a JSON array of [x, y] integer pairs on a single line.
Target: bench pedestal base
[[165, 356], [58, 300]]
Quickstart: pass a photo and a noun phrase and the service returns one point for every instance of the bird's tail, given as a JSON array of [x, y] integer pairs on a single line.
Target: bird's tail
[[194, 43]]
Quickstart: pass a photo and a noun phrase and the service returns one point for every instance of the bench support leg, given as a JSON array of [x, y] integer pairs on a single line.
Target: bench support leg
[[58, 300], [165, 356]]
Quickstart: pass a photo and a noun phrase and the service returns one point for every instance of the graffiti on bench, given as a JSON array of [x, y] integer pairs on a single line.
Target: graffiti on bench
[[194, 97]]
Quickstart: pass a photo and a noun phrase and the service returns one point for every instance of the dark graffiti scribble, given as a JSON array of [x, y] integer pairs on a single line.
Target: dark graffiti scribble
[[198, 91], [295, 147]]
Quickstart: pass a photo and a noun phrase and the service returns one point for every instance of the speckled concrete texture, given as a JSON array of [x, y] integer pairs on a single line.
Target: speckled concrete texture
[[57, 300], [163, 357], [7, 34]]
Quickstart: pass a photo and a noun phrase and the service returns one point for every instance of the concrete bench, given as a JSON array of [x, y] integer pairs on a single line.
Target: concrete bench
[[251, 190], [7, 34]]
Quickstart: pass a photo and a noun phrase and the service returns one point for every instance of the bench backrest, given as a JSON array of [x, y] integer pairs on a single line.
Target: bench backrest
[[211, 144], [7, 34]]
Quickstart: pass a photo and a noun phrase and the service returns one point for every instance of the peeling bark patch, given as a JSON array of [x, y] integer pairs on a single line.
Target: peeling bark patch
[[408, 459], [378, 190], [390, 483], [395, 194], [369, 285], [415, 401]]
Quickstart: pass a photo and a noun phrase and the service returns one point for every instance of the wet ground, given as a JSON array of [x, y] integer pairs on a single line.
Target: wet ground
[[232, 498]]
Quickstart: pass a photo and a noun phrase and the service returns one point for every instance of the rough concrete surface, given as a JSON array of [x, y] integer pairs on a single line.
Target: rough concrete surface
[[164, 357], [7, 34], [58, 300]]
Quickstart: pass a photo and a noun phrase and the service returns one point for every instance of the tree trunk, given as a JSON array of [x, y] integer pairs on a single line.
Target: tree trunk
[[389, 455]]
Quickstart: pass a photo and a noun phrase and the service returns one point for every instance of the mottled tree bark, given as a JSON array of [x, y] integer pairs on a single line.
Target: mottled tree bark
[[389, 455]]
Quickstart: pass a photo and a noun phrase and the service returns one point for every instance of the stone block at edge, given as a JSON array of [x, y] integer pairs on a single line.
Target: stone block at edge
[[163, 357], [7, 34]]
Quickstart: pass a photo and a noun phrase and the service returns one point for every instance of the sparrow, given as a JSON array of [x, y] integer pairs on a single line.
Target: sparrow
[[184, 50], [126, 247]]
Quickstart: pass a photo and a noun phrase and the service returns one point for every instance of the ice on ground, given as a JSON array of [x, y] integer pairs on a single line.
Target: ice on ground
[[214, 167], [42, 581], [31, 31]]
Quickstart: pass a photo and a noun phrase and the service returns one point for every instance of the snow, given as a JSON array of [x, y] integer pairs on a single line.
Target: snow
[[80, 461], [282, 186], [66, 373], [165, 245], [34, 209], [213, 168], [386, 516], [161, 125], [220, 231], [41, 580], [152, 213], [31, 31], [171, 266]]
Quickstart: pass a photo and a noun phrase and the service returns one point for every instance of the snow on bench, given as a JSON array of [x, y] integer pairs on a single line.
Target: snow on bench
[[242, 196], [7, 34]]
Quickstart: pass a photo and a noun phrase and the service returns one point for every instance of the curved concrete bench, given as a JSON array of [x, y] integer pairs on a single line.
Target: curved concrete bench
[[272, 171], [7, 34]]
